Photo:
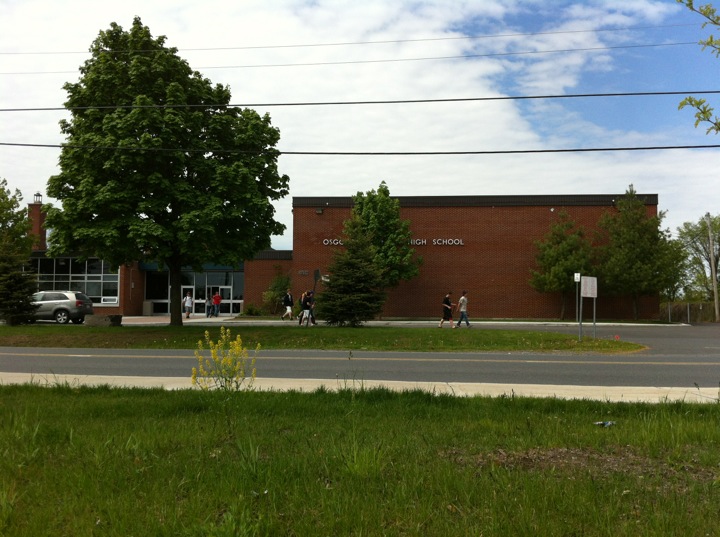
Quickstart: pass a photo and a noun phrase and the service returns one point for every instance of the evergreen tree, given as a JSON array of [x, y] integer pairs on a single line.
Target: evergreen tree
[[17, 283], [354, 293], [563, 252], [637, 257]]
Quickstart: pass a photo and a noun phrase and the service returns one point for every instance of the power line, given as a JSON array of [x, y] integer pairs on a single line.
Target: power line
[[373, 153], [353, 103], [397, 60], [354, 43]]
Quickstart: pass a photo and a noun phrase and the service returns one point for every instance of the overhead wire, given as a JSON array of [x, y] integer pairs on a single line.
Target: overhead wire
[[374, 102], [370, 153]]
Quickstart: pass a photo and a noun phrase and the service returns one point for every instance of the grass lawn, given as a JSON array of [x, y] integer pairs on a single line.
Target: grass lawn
[[319, 337], [122, 462]]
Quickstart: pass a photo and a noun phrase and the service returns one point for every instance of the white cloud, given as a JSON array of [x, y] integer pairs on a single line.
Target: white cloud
[[413, 29]]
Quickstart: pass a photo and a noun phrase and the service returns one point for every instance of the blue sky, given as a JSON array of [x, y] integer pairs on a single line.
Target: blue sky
[[42, 43]]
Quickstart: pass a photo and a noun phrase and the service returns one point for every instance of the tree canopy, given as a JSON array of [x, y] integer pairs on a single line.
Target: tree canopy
[[17, 284], [637, 257], [704, 113], [377, 216], [695, 238], [156, 165], [563, 252]]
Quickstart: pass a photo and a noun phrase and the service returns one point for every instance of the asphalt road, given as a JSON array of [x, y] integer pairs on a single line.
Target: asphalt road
[[677, 356]]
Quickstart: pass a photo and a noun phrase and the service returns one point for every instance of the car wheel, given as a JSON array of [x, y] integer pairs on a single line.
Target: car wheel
[[79, 320], [62, 316]]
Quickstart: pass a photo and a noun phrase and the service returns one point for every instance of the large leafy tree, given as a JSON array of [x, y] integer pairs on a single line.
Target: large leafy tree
[[17, 283], [637, 257], [377, 216], [158, 167], [563, 252], [704, 113], [354, 294], [695, 238]]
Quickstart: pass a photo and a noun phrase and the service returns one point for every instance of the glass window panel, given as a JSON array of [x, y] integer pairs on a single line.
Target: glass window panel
[[110, 277], [62, 265], [78, 267], [94, 266], [110, 289], [47, 266], [187, 278], [45, 286], [238, 285], [62, 285], [93, 289], [46, 277]]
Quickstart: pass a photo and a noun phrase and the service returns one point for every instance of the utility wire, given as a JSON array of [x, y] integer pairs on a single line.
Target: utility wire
[[352, 103], [373, 153], [353, 43], [397, 60]]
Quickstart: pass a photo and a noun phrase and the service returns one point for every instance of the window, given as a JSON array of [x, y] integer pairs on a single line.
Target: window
[[93, 277]]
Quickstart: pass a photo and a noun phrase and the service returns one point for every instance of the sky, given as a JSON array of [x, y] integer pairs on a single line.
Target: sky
[[274, 54]]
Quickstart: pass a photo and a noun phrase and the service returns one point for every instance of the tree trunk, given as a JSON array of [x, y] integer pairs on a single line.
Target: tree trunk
[[175, 269]]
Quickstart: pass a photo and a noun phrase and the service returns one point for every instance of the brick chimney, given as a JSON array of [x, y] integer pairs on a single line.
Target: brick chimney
[[37, 219]]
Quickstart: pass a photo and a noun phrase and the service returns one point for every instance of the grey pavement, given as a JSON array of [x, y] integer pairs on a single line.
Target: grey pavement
[[666, 334]]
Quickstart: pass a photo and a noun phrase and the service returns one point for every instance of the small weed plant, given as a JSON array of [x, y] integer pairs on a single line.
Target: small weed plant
[[229, 367]]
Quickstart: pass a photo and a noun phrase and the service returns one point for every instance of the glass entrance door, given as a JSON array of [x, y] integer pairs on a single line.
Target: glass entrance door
[[225, 292]]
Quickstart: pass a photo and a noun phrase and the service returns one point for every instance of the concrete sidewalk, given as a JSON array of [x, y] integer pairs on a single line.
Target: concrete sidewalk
[[460, 389]]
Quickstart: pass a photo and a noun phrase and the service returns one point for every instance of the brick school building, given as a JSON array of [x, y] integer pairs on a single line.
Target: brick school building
[[482, 244]]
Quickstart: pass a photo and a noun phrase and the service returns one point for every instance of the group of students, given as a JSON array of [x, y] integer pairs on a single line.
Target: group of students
[[449, 306], [212, 305], [307, 305]]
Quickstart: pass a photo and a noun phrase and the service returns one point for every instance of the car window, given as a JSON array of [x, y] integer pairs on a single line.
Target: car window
[[81, 296], [54, 296], [37, 297]]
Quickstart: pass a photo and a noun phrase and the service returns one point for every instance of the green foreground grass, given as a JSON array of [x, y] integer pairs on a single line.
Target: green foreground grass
[[291, 336], [119, 462]]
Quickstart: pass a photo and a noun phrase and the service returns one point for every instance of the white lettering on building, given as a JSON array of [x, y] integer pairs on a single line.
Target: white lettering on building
[[413, 242]]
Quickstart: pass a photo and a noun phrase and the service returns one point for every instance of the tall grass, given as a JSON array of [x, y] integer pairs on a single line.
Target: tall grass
[[106, 461]]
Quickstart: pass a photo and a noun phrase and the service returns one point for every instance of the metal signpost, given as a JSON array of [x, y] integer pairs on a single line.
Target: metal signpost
[[588, 288]]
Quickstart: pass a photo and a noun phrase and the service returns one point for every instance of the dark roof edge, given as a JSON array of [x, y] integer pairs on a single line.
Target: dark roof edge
[[482, 201]]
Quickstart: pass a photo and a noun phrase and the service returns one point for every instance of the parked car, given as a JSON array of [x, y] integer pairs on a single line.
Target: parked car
[[62, 306]]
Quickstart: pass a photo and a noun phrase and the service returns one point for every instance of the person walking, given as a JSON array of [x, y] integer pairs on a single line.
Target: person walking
[[188, 304], [208, 306], [447, 312], [462, 308], [216, 303], [306, 304], [288, 302]]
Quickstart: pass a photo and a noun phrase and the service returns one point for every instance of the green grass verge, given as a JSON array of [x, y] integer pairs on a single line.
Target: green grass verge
[[120, 462], [319, 337]]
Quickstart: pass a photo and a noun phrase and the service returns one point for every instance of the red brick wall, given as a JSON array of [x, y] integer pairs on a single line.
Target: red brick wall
[[491, 255], [259, 275]]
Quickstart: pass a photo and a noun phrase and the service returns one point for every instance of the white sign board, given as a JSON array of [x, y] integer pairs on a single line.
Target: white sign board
[[588, 286]]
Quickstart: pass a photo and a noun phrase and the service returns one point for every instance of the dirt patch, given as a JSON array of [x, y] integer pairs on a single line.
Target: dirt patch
[[591, 463]]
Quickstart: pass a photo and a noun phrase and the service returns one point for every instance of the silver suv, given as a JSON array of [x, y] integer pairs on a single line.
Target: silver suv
[[62, 306]]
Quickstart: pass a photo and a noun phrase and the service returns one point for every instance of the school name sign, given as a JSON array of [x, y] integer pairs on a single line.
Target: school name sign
[[413, 242]]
